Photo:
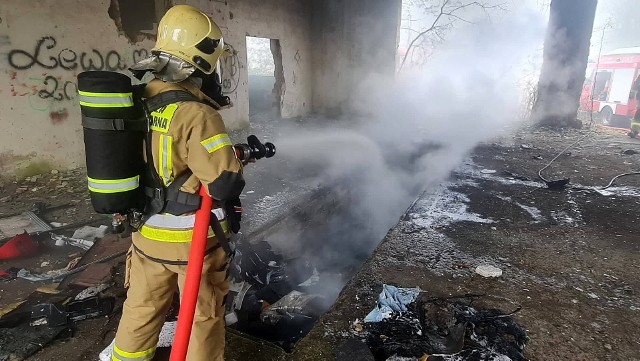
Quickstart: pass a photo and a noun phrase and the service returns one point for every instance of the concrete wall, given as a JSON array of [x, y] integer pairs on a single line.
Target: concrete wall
[[44, 47], [352, 40], [288, 21]]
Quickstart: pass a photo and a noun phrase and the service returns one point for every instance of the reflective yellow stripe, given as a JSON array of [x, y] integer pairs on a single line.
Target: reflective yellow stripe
[[216, 142], [635, 125], [165, 164], [105, 105], [175, 236], [105, 100], [105, 95], [113, 185], [166, 235], [120, 355]]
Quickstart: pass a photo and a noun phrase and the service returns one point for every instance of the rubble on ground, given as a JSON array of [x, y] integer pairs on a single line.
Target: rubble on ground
[[44, 266], [408, 324]]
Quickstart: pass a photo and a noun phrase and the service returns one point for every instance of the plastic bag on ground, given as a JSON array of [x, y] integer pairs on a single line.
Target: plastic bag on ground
[[391, 299]]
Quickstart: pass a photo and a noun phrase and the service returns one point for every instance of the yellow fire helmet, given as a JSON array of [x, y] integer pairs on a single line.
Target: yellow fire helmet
[[189, 34]]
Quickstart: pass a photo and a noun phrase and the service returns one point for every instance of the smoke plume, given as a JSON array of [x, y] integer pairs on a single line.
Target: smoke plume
[[406, 134]]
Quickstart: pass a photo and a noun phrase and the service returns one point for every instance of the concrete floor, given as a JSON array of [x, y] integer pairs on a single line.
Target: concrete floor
[[569, 258]]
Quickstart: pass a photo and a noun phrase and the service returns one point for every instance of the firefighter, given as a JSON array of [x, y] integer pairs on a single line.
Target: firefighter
[[187, 136], [635, 122]]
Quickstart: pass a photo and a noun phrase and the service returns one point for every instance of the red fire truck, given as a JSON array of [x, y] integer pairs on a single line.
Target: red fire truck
[[609, 87]]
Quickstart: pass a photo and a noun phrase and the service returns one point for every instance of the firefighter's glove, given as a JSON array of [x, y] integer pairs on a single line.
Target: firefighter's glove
[[234, 214], [250, 160]]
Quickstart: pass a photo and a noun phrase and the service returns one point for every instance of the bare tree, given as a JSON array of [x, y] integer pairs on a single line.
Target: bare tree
[[445, 14], [565, 57]]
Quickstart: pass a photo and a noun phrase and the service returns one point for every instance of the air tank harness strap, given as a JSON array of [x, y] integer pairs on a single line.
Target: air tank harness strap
[[179, 202], [176, 202], [172, 262], [169, 97], [118, 124], [155, 191], [221, 237]]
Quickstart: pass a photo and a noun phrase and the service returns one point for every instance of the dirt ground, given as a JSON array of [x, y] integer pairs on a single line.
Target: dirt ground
[[65, 193], [570, 258]]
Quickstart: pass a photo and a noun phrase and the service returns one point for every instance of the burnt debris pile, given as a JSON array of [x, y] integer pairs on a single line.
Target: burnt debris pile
[[447, 329], [286, 274], [270, 296]]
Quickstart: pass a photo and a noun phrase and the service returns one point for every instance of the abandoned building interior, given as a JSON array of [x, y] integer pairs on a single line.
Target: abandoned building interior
[[317, 49], [420, 180]]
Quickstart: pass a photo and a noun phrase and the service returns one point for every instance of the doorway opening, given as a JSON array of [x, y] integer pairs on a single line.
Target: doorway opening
[[266, 77]]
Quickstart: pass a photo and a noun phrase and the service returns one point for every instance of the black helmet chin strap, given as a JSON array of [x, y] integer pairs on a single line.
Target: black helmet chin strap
[[212, 88]]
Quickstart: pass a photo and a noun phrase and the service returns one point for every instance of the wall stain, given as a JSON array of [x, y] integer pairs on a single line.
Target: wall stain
[[58, 116], [20, 165], [34, 167]]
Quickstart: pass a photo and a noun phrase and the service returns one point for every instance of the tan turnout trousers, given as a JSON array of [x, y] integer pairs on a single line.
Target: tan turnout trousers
[[151, 287]]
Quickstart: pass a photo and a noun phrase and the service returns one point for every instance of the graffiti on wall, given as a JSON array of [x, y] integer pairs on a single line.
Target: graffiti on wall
[[55, 89], [230, 71], [46, 55], [42, 92]]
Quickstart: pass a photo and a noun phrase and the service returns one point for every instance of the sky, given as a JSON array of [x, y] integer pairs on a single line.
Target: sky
[[620, 21], [617, 20]]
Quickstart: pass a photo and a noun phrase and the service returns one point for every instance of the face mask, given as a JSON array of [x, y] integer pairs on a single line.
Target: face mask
[[212, 88]]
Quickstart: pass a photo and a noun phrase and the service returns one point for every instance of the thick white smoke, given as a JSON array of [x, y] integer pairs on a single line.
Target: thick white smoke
[[409, 133]]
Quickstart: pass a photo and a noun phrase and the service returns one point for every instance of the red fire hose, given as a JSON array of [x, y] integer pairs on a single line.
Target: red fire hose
[[192, 280]]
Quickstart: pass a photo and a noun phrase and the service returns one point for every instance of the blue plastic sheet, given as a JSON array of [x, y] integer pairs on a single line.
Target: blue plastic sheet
[[392, 299]]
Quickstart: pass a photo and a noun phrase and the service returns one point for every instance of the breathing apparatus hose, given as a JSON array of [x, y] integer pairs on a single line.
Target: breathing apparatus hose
[[192, 279]]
